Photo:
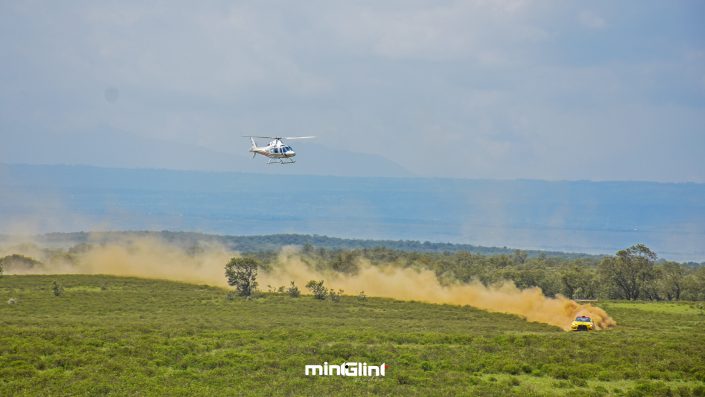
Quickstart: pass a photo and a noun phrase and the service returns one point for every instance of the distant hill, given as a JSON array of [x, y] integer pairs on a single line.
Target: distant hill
[[110, 148], [275, 242], [578, 216]]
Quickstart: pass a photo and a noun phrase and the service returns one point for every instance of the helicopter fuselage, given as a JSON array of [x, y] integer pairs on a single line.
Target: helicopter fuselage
[[275, 150]]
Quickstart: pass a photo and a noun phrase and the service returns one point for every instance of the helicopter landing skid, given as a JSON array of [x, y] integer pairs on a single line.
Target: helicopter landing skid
[[281, 161]]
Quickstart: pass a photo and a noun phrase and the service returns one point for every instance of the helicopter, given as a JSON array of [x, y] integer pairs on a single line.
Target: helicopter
[[277, 151]]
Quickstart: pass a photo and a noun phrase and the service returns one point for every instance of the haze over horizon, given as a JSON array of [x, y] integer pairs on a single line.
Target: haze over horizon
[[459, 95], [463, 89]]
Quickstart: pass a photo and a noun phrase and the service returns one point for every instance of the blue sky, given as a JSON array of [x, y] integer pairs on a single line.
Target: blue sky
[[597, 90]]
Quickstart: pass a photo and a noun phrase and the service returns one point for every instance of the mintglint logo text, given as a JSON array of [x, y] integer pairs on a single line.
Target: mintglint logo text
[[345, 369]]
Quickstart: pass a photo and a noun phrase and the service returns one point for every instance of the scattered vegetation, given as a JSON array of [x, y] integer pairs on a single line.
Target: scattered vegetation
[[151, 337]]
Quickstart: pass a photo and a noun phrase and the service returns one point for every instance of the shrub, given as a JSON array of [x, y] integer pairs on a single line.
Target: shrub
[[293, 290], [335, 296], [57, 288], [317, 289]]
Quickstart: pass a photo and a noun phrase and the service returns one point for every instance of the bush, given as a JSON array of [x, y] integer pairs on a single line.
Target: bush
[[317, 289], [293, 290], [57, 288], [335, 296]]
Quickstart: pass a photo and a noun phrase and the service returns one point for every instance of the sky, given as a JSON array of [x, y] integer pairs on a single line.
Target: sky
[[556, 90]]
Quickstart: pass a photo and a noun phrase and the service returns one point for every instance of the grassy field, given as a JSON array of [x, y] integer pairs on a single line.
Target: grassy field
[[124, 336]]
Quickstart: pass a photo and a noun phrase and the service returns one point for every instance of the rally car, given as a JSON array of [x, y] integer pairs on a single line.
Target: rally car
[[582, 323]]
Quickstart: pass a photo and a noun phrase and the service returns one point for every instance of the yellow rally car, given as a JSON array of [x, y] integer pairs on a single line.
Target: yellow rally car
[[582, 323]]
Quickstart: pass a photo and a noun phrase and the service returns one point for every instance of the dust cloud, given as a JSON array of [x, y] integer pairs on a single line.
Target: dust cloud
[[151, 257], [422, 285], [147, 257]]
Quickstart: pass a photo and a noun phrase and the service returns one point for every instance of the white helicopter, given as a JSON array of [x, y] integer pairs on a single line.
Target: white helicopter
[[277, 151]]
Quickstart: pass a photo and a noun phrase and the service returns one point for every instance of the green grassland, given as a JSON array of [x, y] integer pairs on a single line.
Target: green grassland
[[125, 336]]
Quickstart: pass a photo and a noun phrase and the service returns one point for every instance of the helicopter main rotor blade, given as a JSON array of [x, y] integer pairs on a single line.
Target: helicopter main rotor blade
[[263, 137], [298, 137]]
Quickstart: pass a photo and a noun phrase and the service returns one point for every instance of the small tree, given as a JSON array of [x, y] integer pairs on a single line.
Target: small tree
[[242, 274], [293, 290], [317, 289], [57, 288]]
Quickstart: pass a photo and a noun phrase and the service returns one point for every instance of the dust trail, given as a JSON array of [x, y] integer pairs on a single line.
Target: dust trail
[[422, 285], [141, 256], [152, 257]]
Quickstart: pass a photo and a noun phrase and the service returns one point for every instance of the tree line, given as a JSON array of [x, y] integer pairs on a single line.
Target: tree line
[[634, 273]]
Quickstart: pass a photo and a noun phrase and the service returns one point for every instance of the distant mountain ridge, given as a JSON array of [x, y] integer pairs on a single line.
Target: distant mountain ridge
[[110, 148], [275, 242]]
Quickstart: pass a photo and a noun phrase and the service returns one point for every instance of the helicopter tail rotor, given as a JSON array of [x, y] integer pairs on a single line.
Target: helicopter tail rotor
[[253, 147]]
